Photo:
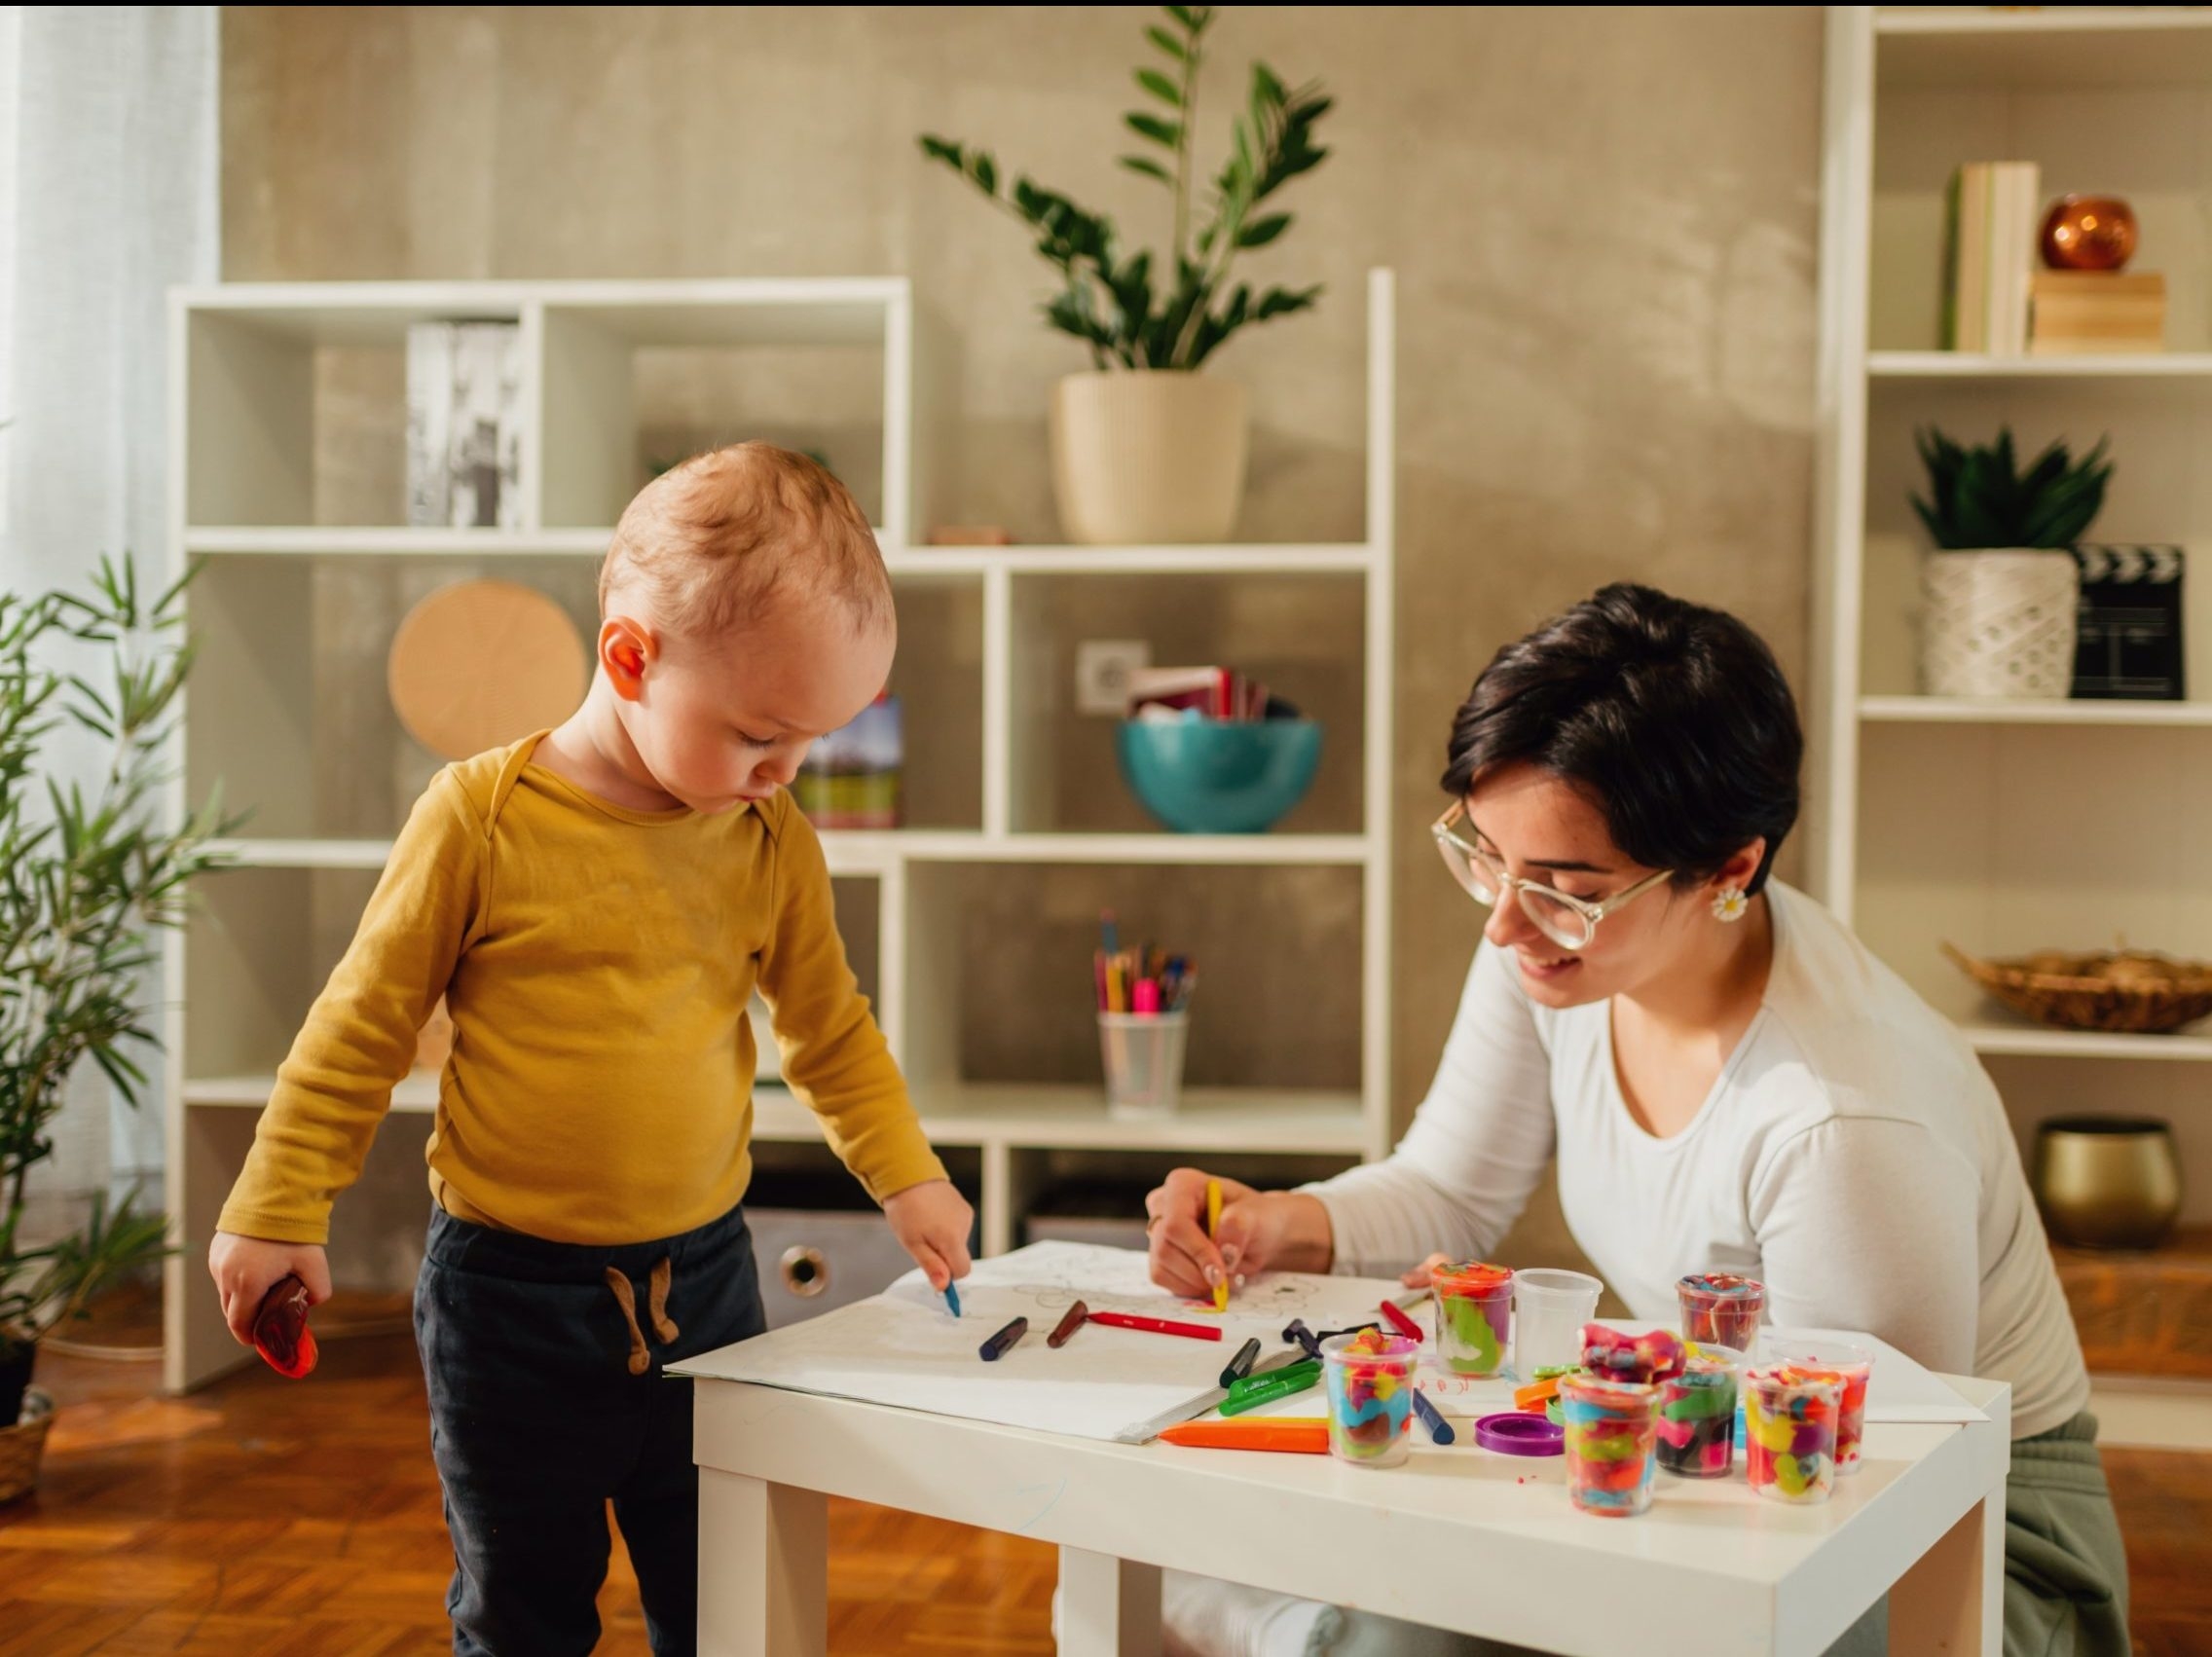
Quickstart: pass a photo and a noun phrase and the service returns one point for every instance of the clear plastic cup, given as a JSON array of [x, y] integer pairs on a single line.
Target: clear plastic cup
[[1474, 1305], [1370, 1378], [1549, 1309], [1612, 1431], [1143, 1057], [1853, 1367], [1719, 1310], [1789, 1420], [1697, 1414]]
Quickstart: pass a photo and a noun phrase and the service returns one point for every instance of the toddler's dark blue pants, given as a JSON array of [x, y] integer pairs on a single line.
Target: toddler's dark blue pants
[[547, 1402]]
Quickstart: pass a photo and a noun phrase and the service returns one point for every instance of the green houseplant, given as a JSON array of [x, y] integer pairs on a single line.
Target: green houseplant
[[1144, 446], [2002, 589], [87, 874]]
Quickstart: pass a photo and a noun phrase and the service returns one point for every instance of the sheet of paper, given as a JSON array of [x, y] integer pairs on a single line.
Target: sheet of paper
[[903, 1347]]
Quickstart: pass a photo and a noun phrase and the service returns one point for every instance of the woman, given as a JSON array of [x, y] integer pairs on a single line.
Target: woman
[[1729, 1079]]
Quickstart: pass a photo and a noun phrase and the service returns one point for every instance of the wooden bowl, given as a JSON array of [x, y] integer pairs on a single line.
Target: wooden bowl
[[2127, 992]]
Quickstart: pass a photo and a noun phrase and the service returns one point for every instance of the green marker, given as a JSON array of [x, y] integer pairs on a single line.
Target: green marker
[[1304, 1369], [1280, 1386]]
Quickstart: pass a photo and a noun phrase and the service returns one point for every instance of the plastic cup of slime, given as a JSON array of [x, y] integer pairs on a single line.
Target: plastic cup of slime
[[1611, 1430], [1789, 1420], [1643, 1355], [1852, 1367], [1697, 1414], [1549, 1309], [1370, 1395], [1473, 1310], [1722, 1310]]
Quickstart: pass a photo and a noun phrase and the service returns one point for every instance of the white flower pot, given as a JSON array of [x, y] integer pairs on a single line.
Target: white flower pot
[[1999, 623], [1148, 456]]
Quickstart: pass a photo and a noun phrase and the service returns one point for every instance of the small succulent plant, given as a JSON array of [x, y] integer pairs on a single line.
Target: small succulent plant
[[1981, 499]]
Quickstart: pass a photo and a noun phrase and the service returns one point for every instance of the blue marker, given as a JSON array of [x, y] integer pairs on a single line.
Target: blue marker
[[1439, 1429], [1004, 1342], [951, 1298]]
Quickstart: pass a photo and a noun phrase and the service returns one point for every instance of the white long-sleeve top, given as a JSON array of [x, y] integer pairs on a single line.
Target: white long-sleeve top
[[1853, 1156]]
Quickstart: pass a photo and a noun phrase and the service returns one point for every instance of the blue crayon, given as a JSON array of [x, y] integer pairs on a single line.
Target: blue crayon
[[1439, 1429], [1004, 1342], [951, 1298]]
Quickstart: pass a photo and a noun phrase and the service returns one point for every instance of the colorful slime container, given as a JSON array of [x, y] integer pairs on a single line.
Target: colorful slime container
[[1611, 1429], [1474, 1304], [1697, 1414], [1370, 1395], [1789, 1419], [1643, 1356], [1852, 1367], [1722, 1310]]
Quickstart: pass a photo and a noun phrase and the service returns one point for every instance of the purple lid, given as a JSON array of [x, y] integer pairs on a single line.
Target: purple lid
[[1515, 1432]]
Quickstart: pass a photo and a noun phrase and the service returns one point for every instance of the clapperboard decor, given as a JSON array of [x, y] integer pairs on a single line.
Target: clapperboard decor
[[2128, 644]]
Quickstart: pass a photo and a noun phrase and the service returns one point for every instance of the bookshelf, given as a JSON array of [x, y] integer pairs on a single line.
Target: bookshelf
[[304, 571], [2007, 827]]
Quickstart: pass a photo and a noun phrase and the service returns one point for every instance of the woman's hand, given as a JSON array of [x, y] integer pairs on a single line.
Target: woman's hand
[[1419, 1276], [932, 1222], [246, 1269], [1260, 1231]]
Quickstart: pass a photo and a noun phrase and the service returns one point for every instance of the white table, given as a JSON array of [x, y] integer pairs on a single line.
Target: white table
[[1457, 1538]]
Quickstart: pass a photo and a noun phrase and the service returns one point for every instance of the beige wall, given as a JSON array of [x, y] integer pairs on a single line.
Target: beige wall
[[1602, 222]]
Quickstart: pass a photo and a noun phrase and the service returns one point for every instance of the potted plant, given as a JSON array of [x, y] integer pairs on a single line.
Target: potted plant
[[86, 874], [2002, 589], [1146, 449]]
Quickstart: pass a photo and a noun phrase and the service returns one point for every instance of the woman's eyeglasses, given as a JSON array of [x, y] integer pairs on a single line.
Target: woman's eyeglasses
[[1569, 922]]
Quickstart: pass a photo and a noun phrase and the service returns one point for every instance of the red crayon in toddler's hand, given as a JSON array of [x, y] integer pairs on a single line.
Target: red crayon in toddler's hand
[[280, 1332]]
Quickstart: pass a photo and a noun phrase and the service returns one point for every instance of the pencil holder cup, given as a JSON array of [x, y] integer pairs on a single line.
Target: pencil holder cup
[[1790, 1422], [1612, 1431], [1550, 1307], [1371, 1396], [1474, 1305], [1143, 1057], [1697, 1414]]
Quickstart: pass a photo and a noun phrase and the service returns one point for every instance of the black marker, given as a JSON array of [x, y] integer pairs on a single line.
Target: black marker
[[1005, 1341], [1241, 1365]]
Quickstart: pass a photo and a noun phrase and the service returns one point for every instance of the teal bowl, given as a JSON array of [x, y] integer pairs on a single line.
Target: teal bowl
[[1211, 777]]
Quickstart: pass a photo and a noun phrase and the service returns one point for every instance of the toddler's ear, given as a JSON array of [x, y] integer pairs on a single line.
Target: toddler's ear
[[625, 650]]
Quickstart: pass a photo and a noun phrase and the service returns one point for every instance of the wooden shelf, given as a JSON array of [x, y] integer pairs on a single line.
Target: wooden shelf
[[2018, 1038], [2143, 1313], [868, 852], [1964, 711], [1971, 365], [1039, 1117], [2059, 48]]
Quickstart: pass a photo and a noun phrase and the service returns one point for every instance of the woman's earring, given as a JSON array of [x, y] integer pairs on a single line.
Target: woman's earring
[[1731, 906]]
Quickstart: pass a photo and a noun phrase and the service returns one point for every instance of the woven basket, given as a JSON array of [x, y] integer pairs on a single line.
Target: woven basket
[[2131, 993], [23, 1445]]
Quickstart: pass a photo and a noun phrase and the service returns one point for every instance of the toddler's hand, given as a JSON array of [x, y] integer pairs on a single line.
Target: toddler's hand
[[246, 1269], [932, 1222]]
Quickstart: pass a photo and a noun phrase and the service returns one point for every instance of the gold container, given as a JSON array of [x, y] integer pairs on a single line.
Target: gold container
[[2107, 1180]]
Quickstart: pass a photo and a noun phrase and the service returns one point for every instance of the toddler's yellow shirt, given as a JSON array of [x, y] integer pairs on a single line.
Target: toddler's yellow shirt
[[597, 963]]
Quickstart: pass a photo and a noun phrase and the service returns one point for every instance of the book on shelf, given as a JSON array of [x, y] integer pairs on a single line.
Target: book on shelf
[[465, 425], [1989, 240], [2096, 310]]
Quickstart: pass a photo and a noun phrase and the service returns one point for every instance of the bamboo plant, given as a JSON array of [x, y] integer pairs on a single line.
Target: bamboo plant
[[1128, 309], [88, 873]]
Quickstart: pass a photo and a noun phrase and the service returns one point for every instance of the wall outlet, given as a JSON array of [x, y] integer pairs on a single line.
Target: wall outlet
[[1102, 669]]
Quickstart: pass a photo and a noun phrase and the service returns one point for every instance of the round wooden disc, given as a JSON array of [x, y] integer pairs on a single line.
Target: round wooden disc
[[482, 663]]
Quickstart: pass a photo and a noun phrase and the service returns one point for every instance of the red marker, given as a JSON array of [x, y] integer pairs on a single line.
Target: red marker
[[1405, 1325], [1156, 1325]]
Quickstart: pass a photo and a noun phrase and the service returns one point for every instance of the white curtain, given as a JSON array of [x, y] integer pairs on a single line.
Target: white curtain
[[108, 148]]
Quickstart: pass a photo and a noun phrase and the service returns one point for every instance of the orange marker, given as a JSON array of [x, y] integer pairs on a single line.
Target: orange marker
[[1296, 1435]]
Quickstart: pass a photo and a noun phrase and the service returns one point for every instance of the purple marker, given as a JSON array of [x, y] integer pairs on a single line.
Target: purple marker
[[1004, 1342]]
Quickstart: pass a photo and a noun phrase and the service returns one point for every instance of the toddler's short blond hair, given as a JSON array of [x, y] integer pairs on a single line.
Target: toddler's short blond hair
[[720, 541]]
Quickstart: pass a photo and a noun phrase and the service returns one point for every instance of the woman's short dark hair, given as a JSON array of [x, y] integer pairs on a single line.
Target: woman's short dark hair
[[1674, 719]]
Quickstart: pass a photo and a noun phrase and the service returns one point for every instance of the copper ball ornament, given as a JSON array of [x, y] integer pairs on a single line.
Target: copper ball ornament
[[2088, 233]]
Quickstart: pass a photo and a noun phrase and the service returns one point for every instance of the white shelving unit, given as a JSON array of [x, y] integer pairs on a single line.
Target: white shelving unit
[[2007, 827], [288, 712]]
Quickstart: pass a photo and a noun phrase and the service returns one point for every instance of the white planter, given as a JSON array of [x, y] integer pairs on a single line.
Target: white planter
[[1146, 457], [1999, 623]]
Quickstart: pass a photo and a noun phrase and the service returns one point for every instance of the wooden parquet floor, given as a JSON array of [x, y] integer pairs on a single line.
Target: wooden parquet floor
[[264, 1517]]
